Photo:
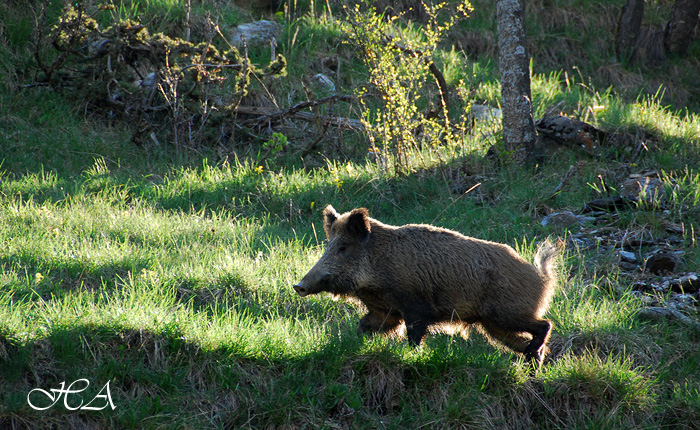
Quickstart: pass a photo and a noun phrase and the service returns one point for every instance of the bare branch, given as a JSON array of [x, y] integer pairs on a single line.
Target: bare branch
[[269, 114]]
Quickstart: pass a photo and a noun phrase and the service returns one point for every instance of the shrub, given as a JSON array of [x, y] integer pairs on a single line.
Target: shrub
[[401, 66]]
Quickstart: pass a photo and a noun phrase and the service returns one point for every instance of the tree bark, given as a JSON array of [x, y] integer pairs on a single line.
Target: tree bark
[[679, 30], [514, 66], [628, 28]]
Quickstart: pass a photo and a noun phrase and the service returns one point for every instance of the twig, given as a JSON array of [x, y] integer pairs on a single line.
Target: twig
[[281, 114], [313, 144], [434, 70], [265, 112], [655, 312], [552, 110], [37, 84], [563, 182], [217, 66], [456, 200], [270, 114]]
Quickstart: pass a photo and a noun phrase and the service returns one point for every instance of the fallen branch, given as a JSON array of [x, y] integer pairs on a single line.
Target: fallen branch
[[265, 114], [655, 312], [281, 114], [315, 142], [559, 188]]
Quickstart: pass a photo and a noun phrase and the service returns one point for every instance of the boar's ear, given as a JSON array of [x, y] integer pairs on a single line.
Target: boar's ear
[[329, 217], [358, 224]]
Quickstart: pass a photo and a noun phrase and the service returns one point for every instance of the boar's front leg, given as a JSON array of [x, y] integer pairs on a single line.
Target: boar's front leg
[[378, 321], [416, 327]]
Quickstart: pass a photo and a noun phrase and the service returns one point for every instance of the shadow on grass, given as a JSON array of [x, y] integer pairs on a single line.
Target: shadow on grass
[[162, 379], [44, 279]]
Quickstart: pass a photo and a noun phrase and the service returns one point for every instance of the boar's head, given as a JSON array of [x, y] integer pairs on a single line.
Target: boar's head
[[345, 263]]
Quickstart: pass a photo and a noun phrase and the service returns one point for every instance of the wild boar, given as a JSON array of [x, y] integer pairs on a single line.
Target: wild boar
[[426, 276]]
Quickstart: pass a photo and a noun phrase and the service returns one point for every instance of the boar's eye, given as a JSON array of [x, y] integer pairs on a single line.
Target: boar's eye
[[342, 249]]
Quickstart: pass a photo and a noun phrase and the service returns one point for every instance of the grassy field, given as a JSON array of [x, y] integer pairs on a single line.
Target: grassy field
[[163, 276]]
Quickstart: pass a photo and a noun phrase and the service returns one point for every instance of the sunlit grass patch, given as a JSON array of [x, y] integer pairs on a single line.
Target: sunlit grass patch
[[590, 378], [584, 308]]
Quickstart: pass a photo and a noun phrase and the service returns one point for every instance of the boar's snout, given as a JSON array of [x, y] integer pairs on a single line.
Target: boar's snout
[[301, 290], [312, 284]]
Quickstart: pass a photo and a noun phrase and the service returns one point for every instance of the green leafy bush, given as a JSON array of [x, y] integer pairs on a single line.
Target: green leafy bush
[[401, 68]]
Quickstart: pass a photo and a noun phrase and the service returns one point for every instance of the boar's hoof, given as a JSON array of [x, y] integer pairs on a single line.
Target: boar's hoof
[[415, 332], [537, 357], [365, 328], [301, 290]]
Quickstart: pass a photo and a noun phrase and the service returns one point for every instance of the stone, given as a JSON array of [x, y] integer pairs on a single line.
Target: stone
[[485, 113], [643, 189], [323, 83], [565, 219], [630, 267], [661, 263], [627, 256], [608, 204], [255, 33], [687, 284]]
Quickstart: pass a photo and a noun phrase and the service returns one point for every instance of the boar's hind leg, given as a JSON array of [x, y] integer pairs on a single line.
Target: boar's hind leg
[[517, 341], [537, 348], [379, 322], [512, 335]]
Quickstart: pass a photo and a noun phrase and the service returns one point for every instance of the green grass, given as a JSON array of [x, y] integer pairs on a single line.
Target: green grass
[[168, 272]]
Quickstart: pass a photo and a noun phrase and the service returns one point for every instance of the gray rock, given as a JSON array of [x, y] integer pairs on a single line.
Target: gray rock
[[565, 219], [627, 256], [255, 33], [661, 263], [323, 83], [486, 113], [643, 189], [687, 284], [631, 267]]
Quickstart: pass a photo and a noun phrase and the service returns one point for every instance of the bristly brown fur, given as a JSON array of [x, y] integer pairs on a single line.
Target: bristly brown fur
[[425, 277]]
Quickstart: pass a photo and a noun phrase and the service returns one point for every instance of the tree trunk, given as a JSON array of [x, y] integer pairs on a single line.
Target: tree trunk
[[628, 28], [514, 65], [679, 30]]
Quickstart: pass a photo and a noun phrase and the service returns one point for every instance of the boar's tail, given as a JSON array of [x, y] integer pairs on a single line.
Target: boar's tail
[[546, 259]]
